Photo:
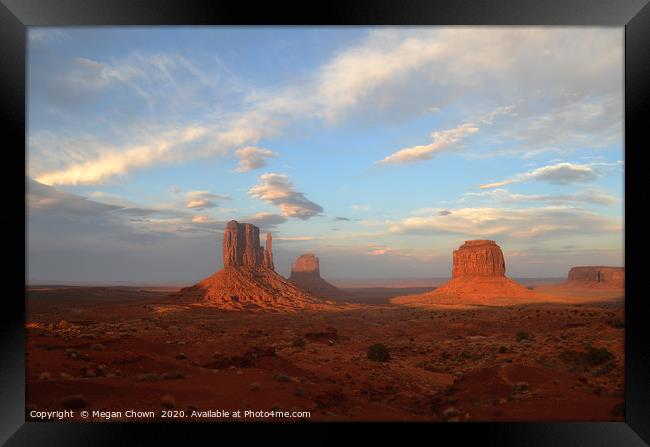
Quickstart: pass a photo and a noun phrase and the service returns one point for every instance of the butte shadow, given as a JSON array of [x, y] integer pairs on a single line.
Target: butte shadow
[[248, 279]]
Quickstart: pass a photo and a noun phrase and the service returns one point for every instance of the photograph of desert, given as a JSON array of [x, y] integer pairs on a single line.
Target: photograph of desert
[[346, 224]]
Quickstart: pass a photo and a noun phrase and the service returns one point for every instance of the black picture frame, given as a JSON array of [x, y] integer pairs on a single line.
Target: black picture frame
[[634, 15]]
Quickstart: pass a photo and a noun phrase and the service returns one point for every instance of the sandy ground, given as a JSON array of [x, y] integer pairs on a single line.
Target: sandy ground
[[118, 349]]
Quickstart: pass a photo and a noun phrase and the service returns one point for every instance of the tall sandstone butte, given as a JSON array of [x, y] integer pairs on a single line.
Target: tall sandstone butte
[[478, 258], [248, 279], [305, 273], [241, 246]]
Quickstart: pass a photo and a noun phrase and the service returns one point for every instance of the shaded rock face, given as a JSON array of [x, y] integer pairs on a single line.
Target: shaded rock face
[[597, 274], [478, 258], [307, 263], [241, 246], [305, 273]]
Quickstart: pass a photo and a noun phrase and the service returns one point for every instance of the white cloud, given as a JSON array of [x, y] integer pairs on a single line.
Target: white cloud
[[265, 220], [566, 83], [442, 139], [489, 118], [203, 199], [589, 196], [510, 223], [558, 174], [278, 190], [251, 157]]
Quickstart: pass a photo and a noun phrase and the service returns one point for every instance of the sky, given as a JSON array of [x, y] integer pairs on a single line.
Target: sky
[[380, 149]]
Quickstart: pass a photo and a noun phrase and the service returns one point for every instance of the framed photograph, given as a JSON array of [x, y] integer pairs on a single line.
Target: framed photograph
[[361, 215]]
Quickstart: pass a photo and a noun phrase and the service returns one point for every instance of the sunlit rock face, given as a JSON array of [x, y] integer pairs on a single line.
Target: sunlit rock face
[[478, 258], [241, 246]]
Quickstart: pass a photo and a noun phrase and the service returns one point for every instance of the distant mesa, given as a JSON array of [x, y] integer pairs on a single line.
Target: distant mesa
[[597, 275], [478, 277], [248, 279], [305, 273]]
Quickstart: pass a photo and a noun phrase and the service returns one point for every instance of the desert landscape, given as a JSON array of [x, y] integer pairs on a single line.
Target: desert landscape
[[478, 348], [325, 224]]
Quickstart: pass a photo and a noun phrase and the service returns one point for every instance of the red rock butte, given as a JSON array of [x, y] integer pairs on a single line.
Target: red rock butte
[[478, 258], [478, 277], [305, 273], [248, 278], [597, 274]]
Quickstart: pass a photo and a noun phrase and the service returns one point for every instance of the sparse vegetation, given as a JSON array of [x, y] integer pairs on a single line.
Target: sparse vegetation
[[168, 402], [378, 353], [299, 342], [592, 357], [174, 375], [520, 388], [281, 378], [598, 356], [148, 377], [616, 323], [522, 335]]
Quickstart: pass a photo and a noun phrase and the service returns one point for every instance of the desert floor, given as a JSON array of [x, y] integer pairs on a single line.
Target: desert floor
[[125, 348]]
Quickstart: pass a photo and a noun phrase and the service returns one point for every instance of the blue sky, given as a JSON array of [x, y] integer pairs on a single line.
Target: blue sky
[[381, 149]]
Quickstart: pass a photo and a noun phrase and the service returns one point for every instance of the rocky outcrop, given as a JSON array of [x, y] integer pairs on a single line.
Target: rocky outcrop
[[478, 277], [248, 279], [597, 274], [478, 258], [241, 246], [305, 273]]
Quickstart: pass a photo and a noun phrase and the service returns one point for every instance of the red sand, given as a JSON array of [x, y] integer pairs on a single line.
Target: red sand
[[454, 362]]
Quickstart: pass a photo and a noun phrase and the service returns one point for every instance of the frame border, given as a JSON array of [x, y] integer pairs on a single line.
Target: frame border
[[634, 15]]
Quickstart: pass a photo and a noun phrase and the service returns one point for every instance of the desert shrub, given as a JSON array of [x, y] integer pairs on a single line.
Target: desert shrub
[[168, 402], [299, 342], [173, 375], [598, 356], [573, 357], [378, 353], [503, 350], [616, 323], [523, 335], [520, 388], [281, 378]]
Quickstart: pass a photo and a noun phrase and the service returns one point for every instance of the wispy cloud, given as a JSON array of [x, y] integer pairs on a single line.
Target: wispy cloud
[[558, 174], [251, 157], [489, 117], [442, 139], [384, 72], [200, 200], [265, 220], [278, 190], [516, 223], [589, 196]]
